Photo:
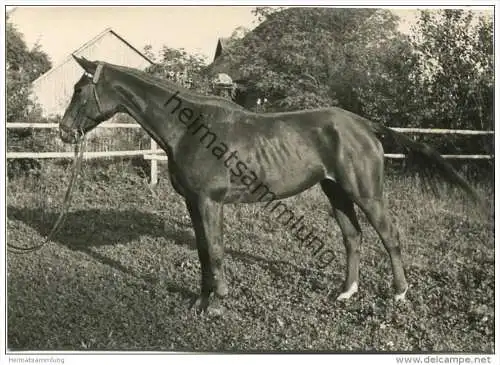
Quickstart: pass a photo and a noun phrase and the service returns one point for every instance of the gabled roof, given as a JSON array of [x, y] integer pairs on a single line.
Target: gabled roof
[[221, 44], [88, 44], [224, 42]]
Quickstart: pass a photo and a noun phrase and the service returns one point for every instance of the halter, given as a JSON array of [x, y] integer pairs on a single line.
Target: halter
[[95, 79]]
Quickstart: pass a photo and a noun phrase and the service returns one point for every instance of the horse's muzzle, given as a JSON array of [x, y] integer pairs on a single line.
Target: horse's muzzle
[[68, 136]]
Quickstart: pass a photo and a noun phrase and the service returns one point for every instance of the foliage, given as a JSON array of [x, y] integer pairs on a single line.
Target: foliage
[[19, 105], [180, 66], [308, 57], [451, 82], [440, 76], [263, 12], [454, 73], [23, 67]]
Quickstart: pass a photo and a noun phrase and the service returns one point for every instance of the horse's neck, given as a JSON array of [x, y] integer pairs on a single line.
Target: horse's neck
[[150, 105]]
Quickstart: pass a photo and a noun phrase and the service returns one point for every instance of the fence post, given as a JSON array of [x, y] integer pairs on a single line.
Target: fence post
[[154, 163]]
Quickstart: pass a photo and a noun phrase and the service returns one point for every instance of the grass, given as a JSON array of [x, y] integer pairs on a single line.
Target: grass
[[122, 272]]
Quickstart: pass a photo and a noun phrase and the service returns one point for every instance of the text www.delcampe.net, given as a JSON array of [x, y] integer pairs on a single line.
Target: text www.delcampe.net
[[444, 359]]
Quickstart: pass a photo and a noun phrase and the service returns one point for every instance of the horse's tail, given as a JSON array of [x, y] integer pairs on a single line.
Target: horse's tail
[[429, 163]]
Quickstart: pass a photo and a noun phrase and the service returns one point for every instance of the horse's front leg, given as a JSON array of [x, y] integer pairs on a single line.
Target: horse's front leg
[[207, 217]]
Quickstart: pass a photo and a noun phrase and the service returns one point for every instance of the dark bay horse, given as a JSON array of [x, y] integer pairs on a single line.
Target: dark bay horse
[[219, 153]]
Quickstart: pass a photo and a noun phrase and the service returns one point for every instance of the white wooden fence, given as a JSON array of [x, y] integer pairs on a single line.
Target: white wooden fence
[[154, 154]]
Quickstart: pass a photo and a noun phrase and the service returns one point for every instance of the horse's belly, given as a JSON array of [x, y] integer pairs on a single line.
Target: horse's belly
[[283, 167], [265, 184]]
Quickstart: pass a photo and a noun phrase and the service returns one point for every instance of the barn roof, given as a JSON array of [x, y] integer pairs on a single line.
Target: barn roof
[[223, 63], [87, 45], [222, 44]]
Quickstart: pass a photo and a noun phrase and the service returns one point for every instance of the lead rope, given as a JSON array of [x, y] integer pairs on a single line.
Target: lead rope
[[77, 162]]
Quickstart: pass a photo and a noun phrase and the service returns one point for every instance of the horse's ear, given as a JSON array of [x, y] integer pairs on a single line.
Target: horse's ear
[[87, 65]]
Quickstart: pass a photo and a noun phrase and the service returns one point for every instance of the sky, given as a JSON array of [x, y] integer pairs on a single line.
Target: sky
[[61, 30]]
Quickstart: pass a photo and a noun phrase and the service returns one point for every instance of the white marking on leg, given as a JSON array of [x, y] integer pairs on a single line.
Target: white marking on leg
[[349, 293], [401, 296]]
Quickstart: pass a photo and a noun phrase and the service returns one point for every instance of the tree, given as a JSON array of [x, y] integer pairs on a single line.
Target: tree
[[263, 12], [447, 80], [454, 72], [309, 57], [23, 66], [385, 91], [179, 66], [440, 76]]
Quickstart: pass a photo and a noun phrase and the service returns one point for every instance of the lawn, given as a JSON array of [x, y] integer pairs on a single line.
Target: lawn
[[123, 271]]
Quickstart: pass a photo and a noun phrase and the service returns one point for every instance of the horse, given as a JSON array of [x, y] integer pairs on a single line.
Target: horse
[[220, 153]]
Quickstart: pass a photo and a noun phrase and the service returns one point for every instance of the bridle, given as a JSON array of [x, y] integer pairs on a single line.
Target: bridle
[[95, 80]]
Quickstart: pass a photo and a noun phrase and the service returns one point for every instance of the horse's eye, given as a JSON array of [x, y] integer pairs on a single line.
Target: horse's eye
[[78, 91]]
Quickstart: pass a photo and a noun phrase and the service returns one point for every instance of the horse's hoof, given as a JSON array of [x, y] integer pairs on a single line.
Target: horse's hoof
[[215, 310], [210, 306], [401, 297], [200, 304], [221, 289], [349, 293]]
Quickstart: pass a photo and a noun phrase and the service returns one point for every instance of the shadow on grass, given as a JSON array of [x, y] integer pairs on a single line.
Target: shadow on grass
[[84, 229], [93, 227], [274, 266]]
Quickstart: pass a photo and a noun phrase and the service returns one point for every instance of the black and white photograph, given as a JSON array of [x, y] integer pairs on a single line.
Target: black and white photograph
[[255, 180]]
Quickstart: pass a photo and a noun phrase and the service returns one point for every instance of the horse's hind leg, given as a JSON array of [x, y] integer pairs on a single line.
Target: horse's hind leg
[[378, 215], [345, 215]]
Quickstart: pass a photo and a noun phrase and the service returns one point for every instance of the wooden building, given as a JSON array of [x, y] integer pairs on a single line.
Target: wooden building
[[53, 89]]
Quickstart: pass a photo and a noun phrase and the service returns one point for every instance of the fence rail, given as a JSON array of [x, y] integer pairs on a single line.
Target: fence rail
[[85, 154], [154, 154], [56, 125], [442, 131], [448, 157]]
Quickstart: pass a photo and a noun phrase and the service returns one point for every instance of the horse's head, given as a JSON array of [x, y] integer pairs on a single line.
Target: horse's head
[[92, 102]]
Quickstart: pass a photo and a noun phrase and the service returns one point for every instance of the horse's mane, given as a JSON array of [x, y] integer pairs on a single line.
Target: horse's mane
[[168, 85]]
